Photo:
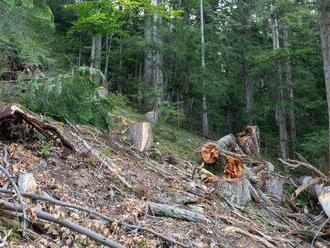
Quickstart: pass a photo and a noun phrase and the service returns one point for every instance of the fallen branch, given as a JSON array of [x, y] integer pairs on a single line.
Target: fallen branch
[[20, 198], [296, 164], [68, 224], [104, 160], [254, 237], [179, 213], [95, 213], [305, 186]]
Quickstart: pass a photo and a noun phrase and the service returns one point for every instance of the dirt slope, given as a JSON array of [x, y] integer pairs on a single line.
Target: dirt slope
[[107, 175]]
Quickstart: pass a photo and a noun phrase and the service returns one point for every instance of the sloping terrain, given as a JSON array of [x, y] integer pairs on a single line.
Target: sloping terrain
[[107, 175]]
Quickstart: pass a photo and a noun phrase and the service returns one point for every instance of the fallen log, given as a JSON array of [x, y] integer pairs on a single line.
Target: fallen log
[[48, 131], [247, 143], [141, 136], [68, 224], [174, 212]]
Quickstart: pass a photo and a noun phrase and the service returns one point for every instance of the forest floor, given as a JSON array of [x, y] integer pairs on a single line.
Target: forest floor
[[106, 174]]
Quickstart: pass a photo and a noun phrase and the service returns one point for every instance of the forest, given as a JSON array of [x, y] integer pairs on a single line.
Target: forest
[[144, 104]]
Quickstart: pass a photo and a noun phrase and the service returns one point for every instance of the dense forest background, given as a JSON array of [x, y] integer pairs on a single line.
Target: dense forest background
[[210, 66]]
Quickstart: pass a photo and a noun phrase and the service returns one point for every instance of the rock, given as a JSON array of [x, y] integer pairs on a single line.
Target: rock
[[42, 165], [27, 183]]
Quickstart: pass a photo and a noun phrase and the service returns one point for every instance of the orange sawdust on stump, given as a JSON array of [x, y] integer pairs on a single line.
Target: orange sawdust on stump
[[210, 153], [234, 167]]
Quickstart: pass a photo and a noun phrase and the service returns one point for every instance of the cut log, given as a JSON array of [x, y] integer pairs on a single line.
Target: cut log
[[210, 153], [237, 191], [152, 117], [141, 136], [249, 141], [234, 167], [49, 131], [229, 143], [174, 212]]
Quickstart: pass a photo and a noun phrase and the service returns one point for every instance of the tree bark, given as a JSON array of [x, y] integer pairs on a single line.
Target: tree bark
[[153, 66], [205, 121], [325, 42], [280, 110], [290, 86]]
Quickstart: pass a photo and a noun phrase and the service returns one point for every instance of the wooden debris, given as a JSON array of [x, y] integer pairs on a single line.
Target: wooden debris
[[68, 224], [141, 136], [174, 212], [234, 167], [49, 131], [249, 141], [248, 234]]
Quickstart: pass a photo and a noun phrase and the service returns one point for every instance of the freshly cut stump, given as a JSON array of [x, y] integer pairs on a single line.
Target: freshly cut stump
[[141, 136], [237, 191]]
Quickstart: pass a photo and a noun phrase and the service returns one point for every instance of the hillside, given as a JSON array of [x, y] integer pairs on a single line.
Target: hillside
[[127, 188]]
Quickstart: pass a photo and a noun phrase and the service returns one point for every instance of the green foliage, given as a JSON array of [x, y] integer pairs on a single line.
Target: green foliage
[[25, 30], [74, 97], [45, 149], [315, 146]]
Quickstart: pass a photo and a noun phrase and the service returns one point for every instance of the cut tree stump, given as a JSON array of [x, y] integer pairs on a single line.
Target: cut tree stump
[[152, 117], [274, 186], [236, 191], [249, 141], [141, 136]]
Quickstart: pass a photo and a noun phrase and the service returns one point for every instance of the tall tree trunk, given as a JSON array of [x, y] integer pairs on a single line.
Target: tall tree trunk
[[205, 121], [280, 110], [247, 88], [106, 66], [98, 51], [325, 41], [288, 77], [153, 66], [93, 51]]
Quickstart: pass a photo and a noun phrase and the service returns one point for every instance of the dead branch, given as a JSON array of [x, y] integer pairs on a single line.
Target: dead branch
[[20, 198], [296, 164], [95, 213], [306, 185], [68, 224], [104, 160], [248, 234]]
